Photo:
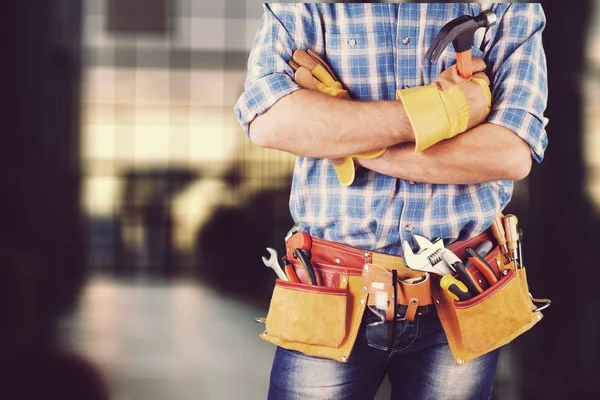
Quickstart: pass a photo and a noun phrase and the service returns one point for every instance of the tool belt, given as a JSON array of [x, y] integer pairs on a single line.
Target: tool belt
[[332, 260], [323, 319]]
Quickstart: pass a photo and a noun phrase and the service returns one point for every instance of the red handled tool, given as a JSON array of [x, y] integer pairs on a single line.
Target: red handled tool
[[290, 272], [482, 265], [482, 249], [299, 240]]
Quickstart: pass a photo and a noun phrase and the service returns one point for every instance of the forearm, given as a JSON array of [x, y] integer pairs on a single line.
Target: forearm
[[485, 153], [311, 124]]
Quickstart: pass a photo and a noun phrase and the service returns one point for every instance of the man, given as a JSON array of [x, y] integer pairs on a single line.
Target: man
[[451, 190]]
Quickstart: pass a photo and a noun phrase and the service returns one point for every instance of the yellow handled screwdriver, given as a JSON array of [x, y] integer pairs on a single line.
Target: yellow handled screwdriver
[[512, 236], [456, 288]]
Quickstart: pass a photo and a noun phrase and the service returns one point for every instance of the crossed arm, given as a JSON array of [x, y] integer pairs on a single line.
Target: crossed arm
[[328, 127]]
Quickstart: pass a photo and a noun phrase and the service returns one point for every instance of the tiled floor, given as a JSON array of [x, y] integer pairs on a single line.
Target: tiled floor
[[179, 339], [176, 340]]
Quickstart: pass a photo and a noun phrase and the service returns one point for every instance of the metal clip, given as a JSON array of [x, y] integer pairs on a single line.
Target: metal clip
[[545, 303]]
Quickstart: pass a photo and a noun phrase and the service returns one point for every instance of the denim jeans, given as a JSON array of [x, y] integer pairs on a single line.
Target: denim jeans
[[420, 366]]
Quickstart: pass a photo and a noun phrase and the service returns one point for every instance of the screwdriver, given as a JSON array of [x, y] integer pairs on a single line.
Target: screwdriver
[[520, 247], [498, 232], [512, 236], [456, 288]]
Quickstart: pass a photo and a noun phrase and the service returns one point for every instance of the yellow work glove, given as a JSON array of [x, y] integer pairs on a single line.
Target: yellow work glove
[[449, 106], [312, 72]]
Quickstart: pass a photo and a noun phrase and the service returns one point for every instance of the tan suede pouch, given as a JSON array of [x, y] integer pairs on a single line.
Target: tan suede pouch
[[308, 314], [316, 320], [490, 320]]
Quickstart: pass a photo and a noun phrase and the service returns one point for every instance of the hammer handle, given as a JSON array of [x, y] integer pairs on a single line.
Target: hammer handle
[[463, 63]]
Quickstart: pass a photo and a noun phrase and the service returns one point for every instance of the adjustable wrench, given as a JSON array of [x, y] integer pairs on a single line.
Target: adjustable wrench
[[274, 264], [428, 258]]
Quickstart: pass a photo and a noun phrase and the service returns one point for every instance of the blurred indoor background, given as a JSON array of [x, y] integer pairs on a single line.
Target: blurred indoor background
[[135, 211]]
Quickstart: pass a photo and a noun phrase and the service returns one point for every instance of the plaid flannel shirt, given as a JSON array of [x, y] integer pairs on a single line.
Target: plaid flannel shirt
[[375, 49]]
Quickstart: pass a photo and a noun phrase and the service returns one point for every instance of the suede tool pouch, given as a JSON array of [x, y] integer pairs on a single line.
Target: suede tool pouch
[[489, 320], [308, 314], [319, 321]]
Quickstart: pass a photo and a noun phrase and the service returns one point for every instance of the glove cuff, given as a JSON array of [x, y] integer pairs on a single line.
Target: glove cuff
[[427, 115], [457, 109]]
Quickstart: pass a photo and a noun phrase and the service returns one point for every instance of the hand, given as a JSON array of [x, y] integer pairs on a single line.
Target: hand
[[449, 106], [312, 72], [476, 90]]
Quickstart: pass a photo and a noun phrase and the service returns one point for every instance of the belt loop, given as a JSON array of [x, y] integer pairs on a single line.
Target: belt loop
[[411, 311]]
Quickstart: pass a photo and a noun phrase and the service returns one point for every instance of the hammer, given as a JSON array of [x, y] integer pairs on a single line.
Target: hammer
[[460, 32]]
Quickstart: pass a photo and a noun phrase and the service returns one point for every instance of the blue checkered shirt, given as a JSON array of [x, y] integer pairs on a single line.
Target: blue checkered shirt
[[375, 49]]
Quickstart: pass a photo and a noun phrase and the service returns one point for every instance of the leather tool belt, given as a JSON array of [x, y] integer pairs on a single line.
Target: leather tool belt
[[323, 319], [331, 260]]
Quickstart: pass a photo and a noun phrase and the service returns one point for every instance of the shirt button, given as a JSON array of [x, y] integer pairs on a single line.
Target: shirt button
[[352, 42], [408, 228], [411, 182], [406, 40]]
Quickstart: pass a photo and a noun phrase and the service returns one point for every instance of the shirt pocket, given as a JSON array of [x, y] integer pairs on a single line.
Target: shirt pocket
[[363, 62]]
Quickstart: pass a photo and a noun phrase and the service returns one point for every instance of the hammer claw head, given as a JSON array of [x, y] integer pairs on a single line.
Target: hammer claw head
[[460, 32], [447, 34]]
